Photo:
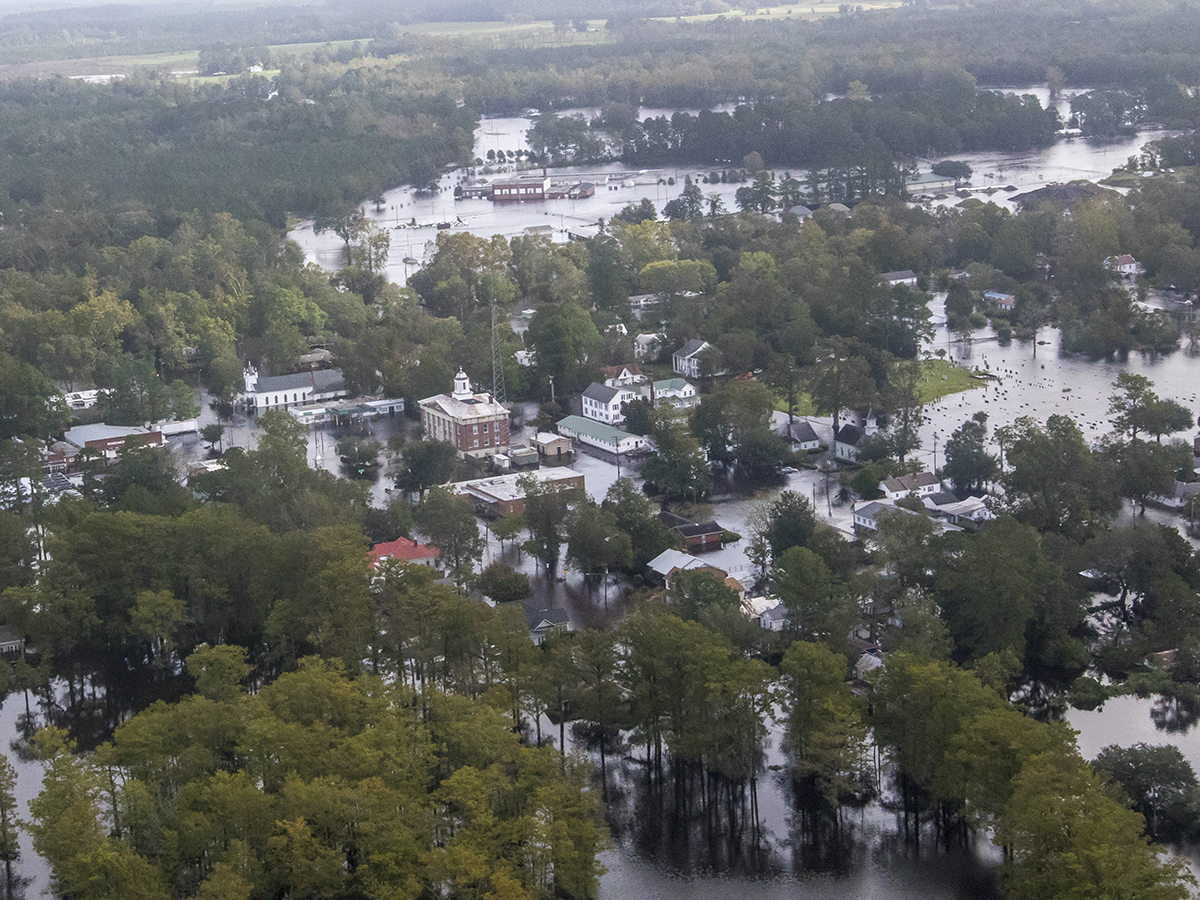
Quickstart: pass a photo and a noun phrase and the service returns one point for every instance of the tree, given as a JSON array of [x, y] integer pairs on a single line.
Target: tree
[[504, 585], [695, 592], [787, 521], [425, 464], [1145, 470], [360, 456], [32, 403], [65, 817], [689, 204], [635, 516], [1132, 400], [815, 604], [637, 417], [451, 527], [840, 379], [547, 510], [903, 398], [564, 338], [677, 467], [637, 213], [1053, 480], [595, 541], [953, 168], [157, 617], [10, 825], [826, 736], [968, 464], [212, 434], [1069, 839], [1159, 782]]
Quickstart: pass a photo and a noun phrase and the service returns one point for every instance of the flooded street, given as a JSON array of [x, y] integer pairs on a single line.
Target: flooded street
[[660, 853]]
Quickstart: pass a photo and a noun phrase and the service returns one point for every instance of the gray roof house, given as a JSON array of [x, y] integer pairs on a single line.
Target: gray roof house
[[803, 435], [544, 621], [603, 403], [904, 276], [686, 360]]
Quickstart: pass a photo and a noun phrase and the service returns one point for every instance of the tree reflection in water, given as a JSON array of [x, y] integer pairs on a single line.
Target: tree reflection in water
[[1175, 714], [690, 825]]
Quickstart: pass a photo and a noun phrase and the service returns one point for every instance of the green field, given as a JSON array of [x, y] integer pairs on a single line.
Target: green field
[[941, 379]]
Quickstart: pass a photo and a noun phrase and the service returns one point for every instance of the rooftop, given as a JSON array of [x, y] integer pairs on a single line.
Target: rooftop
[[402, 549], [502, 488], [597, 431], [850, 434], [322, 381], [80, 435], [601, 393], [802, 433], [691, 348], [670, 560]]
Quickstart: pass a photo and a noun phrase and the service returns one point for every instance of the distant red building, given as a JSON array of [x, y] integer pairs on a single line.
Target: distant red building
[[404, 550]]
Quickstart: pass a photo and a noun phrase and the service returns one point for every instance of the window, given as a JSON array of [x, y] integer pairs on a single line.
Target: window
[[485, 427], [476, 442], [475, 430]]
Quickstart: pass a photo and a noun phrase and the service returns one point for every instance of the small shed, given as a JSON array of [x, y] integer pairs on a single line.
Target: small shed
[[554, 446], [700, 537]]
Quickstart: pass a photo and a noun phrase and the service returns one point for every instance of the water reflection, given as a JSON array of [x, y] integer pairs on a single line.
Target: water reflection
[[682, 833], [1175, 714]]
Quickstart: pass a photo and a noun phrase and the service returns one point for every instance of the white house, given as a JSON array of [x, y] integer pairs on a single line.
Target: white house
[[639, 302], [300, 389], [621, 376], [648, 344], [676, 392], [686, 360], [973, 510], [82, 399], [867, 515], [802, 436], [603, 403], [906, 277], [774, 619], [920, 484], [1124, 265], [1002, 301]]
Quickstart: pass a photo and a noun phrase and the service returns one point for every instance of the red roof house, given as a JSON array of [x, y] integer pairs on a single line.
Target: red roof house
[[404, 550]]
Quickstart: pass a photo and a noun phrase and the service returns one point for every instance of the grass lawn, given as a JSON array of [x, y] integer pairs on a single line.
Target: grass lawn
[[941, 378]]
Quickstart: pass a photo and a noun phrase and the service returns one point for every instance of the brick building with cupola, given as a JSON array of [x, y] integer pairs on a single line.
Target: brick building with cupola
[[473, 422]]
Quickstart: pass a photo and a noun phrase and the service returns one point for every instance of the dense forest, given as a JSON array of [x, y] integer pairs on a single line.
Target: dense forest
[[240, 707]]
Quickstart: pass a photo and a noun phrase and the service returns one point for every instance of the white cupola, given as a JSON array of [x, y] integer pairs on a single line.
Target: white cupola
[[462, 386]]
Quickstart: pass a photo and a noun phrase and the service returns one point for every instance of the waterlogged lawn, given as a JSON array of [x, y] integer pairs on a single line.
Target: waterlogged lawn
[[941, 379]]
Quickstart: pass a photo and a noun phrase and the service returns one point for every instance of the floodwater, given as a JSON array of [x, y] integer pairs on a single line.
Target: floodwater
[[873, 861], [413, 219]]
